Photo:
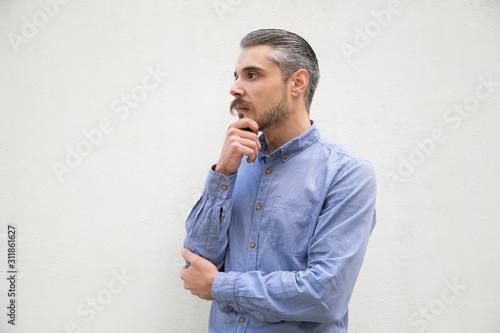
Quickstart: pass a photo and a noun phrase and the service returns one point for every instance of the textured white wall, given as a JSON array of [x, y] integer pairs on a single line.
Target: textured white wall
[[414, 86]]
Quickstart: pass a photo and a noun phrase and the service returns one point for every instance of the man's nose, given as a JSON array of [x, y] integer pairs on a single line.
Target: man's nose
[[236, 89]]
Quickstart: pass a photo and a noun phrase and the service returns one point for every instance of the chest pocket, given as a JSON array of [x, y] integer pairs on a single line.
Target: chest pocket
[[291, 225]]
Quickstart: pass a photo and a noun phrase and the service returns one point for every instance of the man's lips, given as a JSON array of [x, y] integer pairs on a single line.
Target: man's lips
[[242, 108], [239, 105]]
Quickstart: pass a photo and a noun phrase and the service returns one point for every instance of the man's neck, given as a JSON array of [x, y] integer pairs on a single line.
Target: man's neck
[[284, 131]]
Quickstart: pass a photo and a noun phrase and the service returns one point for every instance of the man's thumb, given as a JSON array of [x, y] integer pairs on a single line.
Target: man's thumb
[[187, 255]]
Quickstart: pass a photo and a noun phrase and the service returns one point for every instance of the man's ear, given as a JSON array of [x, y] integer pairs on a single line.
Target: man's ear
[[298, 82]]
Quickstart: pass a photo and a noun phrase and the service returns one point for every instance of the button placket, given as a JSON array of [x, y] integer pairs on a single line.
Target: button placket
[[260, 200]]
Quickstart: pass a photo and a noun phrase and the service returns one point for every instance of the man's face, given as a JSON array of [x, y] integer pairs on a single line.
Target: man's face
[[259, 90]]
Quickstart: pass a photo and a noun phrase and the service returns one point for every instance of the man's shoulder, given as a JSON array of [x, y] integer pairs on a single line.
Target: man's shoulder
[[343, 158], [338, 150]]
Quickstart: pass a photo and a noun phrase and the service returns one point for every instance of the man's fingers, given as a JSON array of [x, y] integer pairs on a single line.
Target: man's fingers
[[240, 145], [251, 153], [237, 143], [251, 141], [251, 136], [244, 123], [181, 274]]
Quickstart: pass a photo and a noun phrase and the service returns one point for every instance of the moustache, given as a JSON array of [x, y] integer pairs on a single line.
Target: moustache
[[239, 101]]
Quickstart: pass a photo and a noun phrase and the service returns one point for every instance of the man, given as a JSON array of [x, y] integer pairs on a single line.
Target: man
[[279, 234]]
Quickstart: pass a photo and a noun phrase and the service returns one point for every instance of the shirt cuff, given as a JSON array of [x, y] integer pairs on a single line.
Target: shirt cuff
[[223, 291], [218, 185]]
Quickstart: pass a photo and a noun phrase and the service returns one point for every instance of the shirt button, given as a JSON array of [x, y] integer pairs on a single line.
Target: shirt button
[[224, 187], [242, 320], [222, 218], [268, 171], [230, 307], [258, 207], [252, 245], [285, 156]]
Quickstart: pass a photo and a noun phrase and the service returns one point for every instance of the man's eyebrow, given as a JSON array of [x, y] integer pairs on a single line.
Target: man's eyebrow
[[251, 68]]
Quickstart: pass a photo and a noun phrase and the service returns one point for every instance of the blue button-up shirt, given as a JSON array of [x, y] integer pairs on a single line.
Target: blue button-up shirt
[[288, 233]]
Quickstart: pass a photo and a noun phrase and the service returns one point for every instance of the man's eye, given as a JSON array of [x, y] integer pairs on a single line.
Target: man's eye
[[252, 75]]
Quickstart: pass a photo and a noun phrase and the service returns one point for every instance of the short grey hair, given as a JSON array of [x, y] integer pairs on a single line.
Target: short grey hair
[[290, 52]]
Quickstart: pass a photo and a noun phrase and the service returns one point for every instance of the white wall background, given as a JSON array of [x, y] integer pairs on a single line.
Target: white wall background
[[393, 95]]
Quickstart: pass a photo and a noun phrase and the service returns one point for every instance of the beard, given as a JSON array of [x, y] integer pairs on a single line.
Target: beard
[[267, 117]]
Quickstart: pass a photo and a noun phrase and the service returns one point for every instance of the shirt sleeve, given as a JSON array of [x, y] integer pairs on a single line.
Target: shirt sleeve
[[321, 292], [206, 225]]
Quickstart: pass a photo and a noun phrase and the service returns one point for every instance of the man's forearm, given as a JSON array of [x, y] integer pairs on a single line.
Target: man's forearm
[[206, 225]]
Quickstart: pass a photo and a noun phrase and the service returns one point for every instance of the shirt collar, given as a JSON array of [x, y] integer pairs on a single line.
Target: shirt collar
[[292, 147]]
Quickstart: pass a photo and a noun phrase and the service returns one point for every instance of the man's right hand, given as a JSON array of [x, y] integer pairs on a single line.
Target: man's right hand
[[237, 143]]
